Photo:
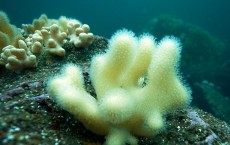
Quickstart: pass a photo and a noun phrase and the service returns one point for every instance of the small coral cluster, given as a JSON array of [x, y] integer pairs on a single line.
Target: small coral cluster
[[44, 36], [8, 33], [136, 83], [17, 58]]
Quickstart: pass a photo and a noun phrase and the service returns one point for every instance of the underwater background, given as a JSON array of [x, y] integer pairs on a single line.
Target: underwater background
[[105, 17], [201, 25]]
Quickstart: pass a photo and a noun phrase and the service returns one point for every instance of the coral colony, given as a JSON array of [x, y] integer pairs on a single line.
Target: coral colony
[[136, 83], [44, 36]]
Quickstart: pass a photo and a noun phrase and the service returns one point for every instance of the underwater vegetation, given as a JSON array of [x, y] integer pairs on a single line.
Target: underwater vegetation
[[215, 99], [199, 47], [124, 73], [203, 60]]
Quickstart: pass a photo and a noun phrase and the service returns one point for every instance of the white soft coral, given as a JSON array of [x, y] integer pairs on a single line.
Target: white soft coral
[[122, 105]]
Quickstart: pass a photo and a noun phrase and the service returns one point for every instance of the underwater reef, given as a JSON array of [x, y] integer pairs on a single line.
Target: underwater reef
[[31, 115], [204, 63]]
